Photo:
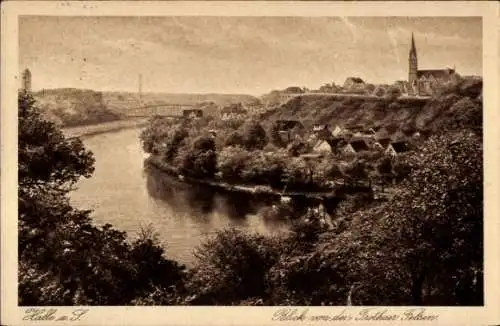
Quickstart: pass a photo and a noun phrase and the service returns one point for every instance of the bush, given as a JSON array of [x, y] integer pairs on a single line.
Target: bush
[[231, 267]]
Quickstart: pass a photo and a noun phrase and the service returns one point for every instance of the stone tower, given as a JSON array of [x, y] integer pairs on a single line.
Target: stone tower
[[412, 73], [27, 80]]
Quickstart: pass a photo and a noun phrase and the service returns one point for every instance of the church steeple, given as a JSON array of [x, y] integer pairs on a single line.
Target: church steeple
[[413, 64], [413, 50]]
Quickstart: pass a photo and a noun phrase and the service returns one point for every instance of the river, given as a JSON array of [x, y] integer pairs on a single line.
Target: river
[[129, 196]]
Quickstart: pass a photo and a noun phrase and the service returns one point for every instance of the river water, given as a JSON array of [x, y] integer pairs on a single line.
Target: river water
[[129, 196]]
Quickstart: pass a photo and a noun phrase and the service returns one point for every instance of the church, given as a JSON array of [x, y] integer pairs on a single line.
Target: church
[[425, 82]]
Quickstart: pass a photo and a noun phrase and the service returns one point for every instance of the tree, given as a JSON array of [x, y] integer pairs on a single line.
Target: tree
[[384, 169], [297, 147], [275, 136], [393, 93], [356, 171], [297, 173], [198, 158], [424, 246], [231, 161], [254, 136], [46, 158], [63, 258], [231, 266], [234, 139]]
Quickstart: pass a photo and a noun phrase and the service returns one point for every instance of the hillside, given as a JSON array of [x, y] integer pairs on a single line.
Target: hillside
[[74, 107], [121, 101], [456, 107]]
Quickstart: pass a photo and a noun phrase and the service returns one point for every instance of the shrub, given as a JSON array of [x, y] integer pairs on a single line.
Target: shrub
[[232, 266]]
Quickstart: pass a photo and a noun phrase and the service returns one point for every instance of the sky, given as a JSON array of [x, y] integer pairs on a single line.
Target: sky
[[251, 55]]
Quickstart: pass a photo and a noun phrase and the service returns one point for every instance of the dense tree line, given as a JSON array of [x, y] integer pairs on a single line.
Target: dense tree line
[[246, 155]]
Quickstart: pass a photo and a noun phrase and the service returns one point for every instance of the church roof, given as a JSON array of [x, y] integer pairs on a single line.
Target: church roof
[[436, 73], [400, 146], [359, 145]]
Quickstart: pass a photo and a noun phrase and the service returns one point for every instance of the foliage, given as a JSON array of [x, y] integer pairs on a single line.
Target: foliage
[[234, 139], [266, 168], [46, 158], [231, 162], [199, 158], [63, 258], [232, 267], [163, 135], [274, 135], [424, 246], [254, 136], [297, 173], [297, 147]]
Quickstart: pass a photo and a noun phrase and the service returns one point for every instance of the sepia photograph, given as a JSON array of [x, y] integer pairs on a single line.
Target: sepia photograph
[[250, 161], [246, 160]]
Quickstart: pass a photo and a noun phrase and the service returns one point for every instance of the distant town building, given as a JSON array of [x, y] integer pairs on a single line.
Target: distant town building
[[322, 146], [425, 82], [403, 86], [396, 148], [289, 129], [192, 113], [383, 142], [322, 132], [356, 146], [353, 81], [26, 80], [338, 131], [233, 111]]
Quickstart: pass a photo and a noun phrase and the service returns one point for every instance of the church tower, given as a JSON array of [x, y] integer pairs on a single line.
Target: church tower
[[27, 80], [412, 74]]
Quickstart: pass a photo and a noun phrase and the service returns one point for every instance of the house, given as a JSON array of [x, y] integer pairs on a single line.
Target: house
[[403, 86], [356, 146], [289, 129], [233, 111], [322, 132], [284, 136], [396, 148], [358, 134], [353, 82], [382, 143], [192, 113], [338, 131], [322, 146], [319, 127]]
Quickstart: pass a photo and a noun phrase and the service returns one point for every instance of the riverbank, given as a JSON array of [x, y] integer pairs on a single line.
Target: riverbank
[[95, 129], [262, 190]]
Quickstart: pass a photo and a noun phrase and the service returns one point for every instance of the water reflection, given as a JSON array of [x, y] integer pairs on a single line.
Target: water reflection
[[201, 200]]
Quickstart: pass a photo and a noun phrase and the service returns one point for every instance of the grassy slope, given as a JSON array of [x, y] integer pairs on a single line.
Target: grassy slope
[[448, 110], [74, 107]]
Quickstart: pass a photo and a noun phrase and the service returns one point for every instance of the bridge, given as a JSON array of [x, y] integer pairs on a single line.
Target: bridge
[[166, 110]]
